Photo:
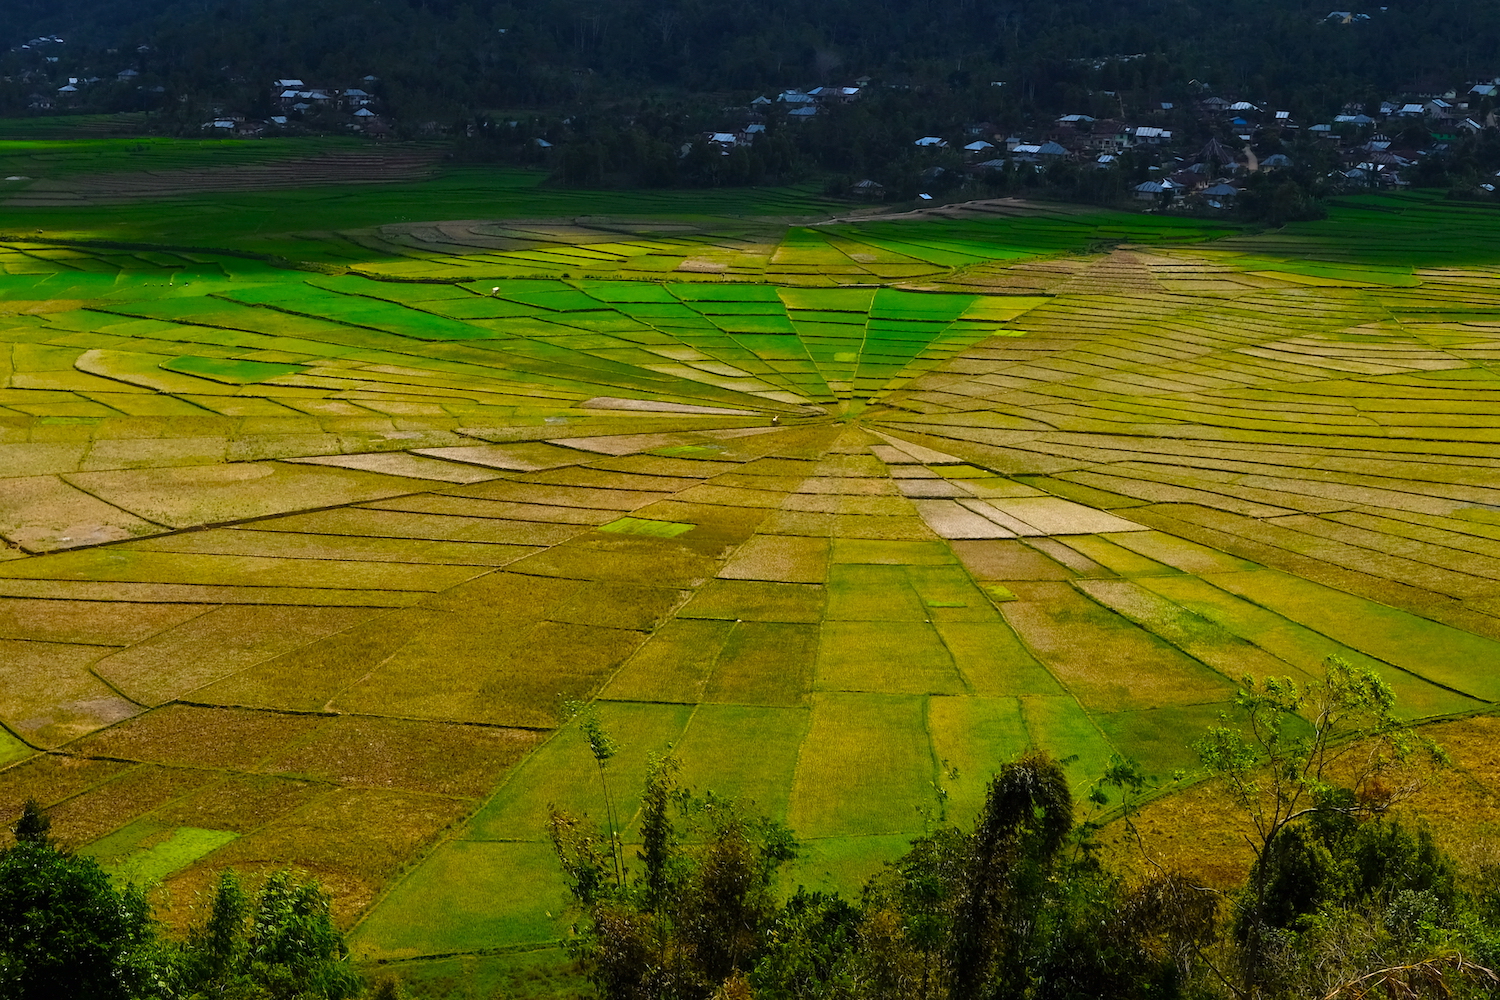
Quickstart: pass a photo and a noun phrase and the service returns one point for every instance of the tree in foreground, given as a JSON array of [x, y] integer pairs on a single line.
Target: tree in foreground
[[1341, 903], [279, 943], [1336, 887], [65, 931], [694, 916], [1012, 908]]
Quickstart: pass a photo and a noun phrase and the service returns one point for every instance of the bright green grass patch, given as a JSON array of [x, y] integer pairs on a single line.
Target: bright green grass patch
[[358, 310], [12, 749], [736, 307], [393, 291], [561, 300], [866, 767], [468, 896], [1060, 727], [563, 772], [844, 864], [644, 526], [755, 324], [230, 371], [972, 737], [186, 844], [618, 292], [725, 292], [746, 752], [894, 304]]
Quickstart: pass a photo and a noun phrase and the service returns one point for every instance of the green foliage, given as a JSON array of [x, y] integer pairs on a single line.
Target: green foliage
[[34, 826], [698, 913], [279, 943], [65, 931]]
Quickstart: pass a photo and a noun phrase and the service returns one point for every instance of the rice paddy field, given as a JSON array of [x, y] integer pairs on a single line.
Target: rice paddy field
[[319, 500]]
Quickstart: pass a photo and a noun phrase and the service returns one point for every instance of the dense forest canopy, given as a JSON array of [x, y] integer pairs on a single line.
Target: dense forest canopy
[[439, 56]]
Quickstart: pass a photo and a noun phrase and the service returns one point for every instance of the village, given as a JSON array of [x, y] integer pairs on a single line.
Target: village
[[1375, 147]]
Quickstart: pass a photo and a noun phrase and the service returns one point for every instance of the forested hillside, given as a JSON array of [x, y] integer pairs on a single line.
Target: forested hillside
[[443, 57]]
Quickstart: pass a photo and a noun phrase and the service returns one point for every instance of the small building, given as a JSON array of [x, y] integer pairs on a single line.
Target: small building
[[1152, 190], [868, 189], [1220, 196], [931, 142]]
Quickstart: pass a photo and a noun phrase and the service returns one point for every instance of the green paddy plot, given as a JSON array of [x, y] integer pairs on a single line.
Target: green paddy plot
[[149, 865], [866, 767], [519, 810], [846, 513], [970, 738], [747, 753], [465, 897]]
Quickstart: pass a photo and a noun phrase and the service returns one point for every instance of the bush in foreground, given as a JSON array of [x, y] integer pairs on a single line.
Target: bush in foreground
[[67, 932], [1340, 902]]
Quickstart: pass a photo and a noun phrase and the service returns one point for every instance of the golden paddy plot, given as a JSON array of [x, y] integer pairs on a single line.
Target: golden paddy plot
[[300, 568]]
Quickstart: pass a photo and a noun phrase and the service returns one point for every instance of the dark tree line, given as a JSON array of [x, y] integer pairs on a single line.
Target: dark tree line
[[448, 57]]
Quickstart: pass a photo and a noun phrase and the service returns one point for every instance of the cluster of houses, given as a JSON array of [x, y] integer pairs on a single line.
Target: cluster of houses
[[51, 96], [798, 105], [1374, 150], [296, 97], [804, 104]]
